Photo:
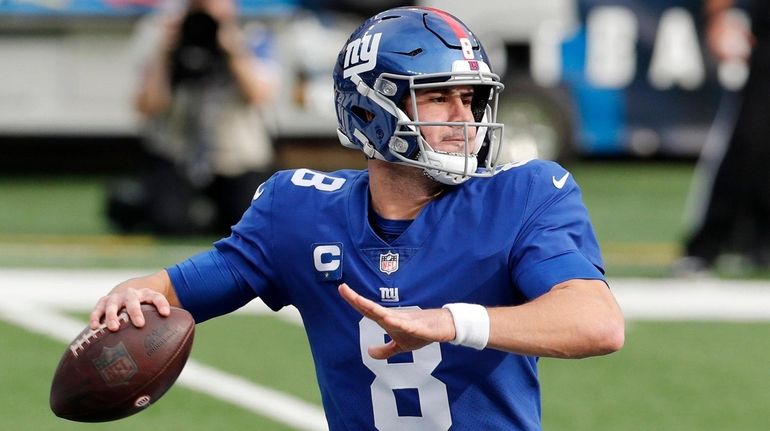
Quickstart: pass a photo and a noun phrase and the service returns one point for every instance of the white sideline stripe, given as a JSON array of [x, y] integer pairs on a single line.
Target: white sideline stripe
[[699, 299], [640, 299], [78, 289], [41, 319]]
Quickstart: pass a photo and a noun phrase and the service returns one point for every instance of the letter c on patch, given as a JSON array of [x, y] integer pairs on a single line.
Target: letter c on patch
[[327, 259]]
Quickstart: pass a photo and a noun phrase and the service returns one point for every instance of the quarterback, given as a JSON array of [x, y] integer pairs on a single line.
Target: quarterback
[[430, 283]]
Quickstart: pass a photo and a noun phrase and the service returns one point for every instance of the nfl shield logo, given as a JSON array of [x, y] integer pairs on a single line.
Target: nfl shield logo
[[115, 365], [389, 263]]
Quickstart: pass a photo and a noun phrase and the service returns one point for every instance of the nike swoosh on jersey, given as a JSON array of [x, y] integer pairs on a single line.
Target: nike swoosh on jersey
[[559, 184]]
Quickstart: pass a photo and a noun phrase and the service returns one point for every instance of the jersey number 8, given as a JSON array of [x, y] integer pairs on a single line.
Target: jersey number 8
[[434, 402]]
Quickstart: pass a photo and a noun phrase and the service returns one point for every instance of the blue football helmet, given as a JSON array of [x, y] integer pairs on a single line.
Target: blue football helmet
[[395, 53]]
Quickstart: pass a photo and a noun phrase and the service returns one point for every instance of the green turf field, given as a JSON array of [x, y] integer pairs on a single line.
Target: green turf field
[[678, 376]]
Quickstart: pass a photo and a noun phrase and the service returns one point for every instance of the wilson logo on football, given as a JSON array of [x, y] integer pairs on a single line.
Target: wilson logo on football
[[361, 55]]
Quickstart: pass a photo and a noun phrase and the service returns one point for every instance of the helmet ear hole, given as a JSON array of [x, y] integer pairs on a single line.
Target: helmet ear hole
[[363, 114], [479, 103]]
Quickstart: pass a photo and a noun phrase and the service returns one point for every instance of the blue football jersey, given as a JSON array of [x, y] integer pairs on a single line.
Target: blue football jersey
[[498, 241]]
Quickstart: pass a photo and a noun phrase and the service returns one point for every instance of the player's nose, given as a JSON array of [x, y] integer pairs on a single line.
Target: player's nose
[[459, 111]]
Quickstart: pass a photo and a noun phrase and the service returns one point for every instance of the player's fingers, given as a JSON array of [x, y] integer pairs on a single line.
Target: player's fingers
[[134, 310], [157, 299], [97, 313], [364, 306], [351, 297], [161, 303], [370, 308], [385, 351], [111, 313], [347, 293]]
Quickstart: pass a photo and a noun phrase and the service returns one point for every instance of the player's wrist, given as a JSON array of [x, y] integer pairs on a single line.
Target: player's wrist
[[471, 322]]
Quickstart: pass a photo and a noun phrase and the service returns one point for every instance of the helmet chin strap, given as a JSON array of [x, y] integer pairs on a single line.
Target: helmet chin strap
[[452, 169], [445, 168], [446, 164]]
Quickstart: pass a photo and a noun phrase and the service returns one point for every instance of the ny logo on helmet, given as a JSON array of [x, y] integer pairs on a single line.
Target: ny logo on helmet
[[361, 55]]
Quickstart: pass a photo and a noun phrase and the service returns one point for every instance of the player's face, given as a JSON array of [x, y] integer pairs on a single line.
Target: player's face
[[444, 104]]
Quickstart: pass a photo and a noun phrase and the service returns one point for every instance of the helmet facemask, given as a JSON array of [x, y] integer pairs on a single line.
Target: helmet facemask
[[450, 167]]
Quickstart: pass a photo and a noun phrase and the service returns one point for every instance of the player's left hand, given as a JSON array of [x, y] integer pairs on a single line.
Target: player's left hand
[[409, 329]]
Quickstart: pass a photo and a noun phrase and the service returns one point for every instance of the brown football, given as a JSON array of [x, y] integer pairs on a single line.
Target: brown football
[[106, 375]]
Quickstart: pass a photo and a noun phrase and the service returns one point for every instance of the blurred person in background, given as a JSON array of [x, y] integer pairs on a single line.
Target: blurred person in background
[[732, 182], [207, 147]]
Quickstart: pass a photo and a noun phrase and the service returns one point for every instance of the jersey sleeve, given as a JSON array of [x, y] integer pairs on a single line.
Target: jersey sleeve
[[556, 241], [207, 286], [236, 270], [250, 248]]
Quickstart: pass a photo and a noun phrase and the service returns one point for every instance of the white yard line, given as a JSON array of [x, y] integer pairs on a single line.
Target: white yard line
[[641, 299], [79, 289], [267, 402], [699, 299]]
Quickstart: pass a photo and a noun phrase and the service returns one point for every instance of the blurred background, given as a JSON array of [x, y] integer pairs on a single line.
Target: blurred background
[[623, 93], [584, 78]]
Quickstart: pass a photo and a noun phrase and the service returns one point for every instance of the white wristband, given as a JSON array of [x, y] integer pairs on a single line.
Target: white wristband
[[471, 325]]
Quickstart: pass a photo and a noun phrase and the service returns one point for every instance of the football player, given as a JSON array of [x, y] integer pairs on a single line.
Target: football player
[[429, 283]]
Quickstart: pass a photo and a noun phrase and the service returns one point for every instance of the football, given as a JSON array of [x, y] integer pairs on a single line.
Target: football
[[106, 375]]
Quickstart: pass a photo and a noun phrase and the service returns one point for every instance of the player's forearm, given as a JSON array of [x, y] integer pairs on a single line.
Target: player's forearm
[[576, 319]]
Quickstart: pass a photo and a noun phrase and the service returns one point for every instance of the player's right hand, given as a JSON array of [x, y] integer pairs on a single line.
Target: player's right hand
[[130, 295]]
